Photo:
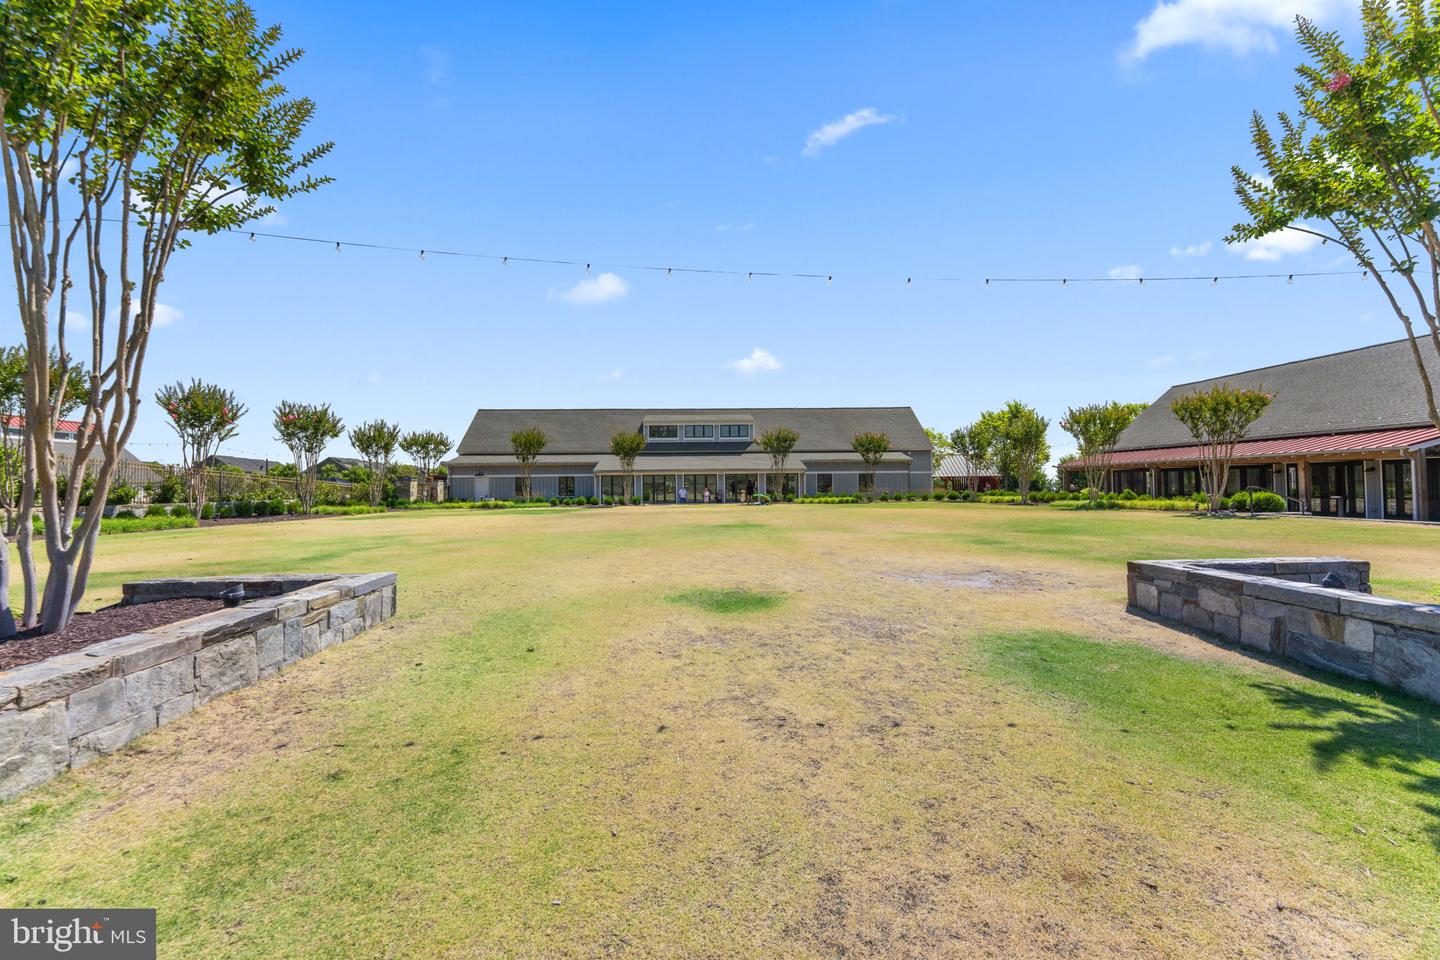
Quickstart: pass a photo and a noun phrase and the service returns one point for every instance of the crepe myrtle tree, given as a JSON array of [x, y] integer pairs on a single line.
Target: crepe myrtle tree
[[1096, 428], [1358, 165], [17, 476], [1018, 447], [625, 446], [426, 448], [376, 441], [872, 448], [203, 415], [526, 445], [940, 448], [128, 126], [971, 445], [1218, 419], [779, 442], [305, 429]]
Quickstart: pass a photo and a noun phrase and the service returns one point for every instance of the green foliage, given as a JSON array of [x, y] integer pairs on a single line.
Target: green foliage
[[426, 447], [376, 441], [122, 494], [1218, 419], [1096, 428], [145, 524], [180, 510], [1018, 445], [305, 429], [625, 446], [347, 510], [1266, 501], [208, 513], [203, 415], [940, 447], [828, 499], [1360, 165]]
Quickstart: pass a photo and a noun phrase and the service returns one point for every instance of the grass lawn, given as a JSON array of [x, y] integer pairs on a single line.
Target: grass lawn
[[892, 730]]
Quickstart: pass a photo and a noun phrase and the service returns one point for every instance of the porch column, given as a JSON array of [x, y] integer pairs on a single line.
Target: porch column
[[1419, 487], [1303, 471]]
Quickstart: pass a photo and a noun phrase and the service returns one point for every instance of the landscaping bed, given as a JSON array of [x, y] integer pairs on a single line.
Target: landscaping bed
[[31, 645]]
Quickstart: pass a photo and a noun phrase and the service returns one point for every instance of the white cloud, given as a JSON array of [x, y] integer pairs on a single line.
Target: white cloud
[[165, 315], [1130, 271], [837, 130], [1273, 246], [1191, 250], [1163, 360], [592, 290], [610, 376], [760, 360], [1237, 26]]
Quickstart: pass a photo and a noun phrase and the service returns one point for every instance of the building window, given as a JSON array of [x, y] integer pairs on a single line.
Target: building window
[[1137, 481], [519, 486], [824, 483], [741, 487], [664, 431], [1243, 478], [867, 483], [734, 431], [658, 488], [613, 487], [1399, 502], [1337, 489], [782, 485], [1179, 482], [697, 485], [565, 486], [699, 431]]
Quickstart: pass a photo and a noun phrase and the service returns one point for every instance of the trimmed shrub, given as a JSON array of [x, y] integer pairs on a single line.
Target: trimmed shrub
[[593, 501], [244, 508], [180, 510], [208, 513], [121, 494], [1265, 502], [155, 510]]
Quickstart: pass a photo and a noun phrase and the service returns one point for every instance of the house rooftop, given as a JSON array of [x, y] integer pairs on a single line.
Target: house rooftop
[[1367, 388]]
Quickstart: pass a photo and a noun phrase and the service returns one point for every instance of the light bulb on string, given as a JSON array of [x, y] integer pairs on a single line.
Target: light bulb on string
[[749, 276], [1290, 280], [422, 256], [828, 280], [337, 246], [252, 238]]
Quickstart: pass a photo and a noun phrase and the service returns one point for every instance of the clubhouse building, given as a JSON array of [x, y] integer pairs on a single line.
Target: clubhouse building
[[1347, 435], [695, 450]]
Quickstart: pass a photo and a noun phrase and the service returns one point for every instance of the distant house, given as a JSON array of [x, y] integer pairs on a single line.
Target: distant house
[[245, 464], [1347, 434], [338, 464], [64, 429], [955, 476], [695, 450]]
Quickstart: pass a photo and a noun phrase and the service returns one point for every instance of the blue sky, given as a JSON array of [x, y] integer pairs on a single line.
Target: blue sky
[[868, 141]]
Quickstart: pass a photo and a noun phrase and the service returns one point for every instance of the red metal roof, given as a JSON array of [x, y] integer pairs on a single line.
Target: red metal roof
[[64, 426], [1323, 444]]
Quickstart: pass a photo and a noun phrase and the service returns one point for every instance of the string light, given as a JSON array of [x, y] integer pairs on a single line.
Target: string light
[[1141, 281], [506, 259], [422, 256]]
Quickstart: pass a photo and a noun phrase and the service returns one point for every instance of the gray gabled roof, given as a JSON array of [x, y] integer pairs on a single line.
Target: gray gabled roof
[[589, 431], [248, 464], [1370, 388]]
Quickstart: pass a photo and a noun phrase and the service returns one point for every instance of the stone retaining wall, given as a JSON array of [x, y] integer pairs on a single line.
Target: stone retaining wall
[[66, 710], [1276, 605]]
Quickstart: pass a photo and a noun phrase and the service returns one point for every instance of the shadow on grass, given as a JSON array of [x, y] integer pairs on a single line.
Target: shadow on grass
[[1391, 732], [733, 600]]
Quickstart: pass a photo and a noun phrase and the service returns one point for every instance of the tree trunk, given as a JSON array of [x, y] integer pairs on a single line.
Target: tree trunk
[[7, 617]]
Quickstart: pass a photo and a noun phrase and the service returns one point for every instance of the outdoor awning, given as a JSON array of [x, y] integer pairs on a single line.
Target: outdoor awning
[[1324, 445]]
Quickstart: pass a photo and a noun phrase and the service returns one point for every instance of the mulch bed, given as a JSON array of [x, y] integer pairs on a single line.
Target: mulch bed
[[31, 645]]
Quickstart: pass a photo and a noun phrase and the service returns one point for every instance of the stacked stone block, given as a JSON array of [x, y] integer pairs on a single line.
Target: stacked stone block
[[63, 712], [1277, 606]]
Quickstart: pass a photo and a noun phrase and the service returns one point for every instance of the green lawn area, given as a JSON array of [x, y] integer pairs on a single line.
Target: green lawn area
[[908, 730]]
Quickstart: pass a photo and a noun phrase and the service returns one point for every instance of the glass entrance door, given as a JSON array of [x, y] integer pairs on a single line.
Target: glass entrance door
[[701, 487], [1337, 489], [1399, 497], [1292, 486], [741, 486]]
